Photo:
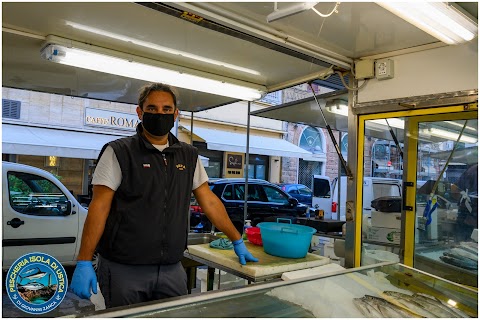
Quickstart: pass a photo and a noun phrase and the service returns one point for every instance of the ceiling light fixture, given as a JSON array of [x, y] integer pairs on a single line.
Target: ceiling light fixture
[[159, 48], [447, 135], [441, 20], [337, 106], [290, 10], [112, 62]]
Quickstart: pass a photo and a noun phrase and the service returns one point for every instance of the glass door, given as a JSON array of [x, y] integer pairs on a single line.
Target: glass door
[[446, 196], [381, 186], [416, 200]]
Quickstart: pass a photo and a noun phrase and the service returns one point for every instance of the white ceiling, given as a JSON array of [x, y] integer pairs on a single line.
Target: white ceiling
[[283, 52]]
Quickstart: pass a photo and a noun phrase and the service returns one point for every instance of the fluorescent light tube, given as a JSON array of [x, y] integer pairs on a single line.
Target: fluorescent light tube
[[439, 19], [447, 135], [461, 125], [155, 72], [393, 122], [159, 48]]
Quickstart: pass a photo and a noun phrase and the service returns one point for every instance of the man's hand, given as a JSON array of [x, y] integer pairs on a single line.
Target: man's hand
[[243, 254], [84, 280]]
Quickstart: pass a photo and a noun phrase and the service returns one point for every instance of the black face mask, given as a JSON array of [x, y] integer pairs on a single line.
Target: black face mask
[[157, 124]]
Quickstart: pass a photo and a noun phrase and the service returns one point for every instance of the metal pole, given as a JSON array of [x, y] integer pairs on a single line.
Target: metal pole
[[334, 141], [191, 142], [247, 160], [339, 180], [191, 128]]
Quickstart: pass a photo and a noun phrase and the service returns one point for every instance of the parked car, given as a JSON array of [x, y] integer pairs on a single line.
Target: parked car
[[266, 202], [39, 215], [299, 191]]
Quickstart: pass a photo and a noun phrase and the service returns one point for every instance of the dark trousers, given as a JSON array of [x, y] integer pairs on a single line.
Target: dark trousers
[[123, 284]]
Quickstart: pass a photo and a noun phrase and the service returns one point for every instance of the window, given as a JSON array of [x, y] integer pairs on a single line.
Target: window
[[275, 195], [344, 145], [255, 193], [292, 190], [383, 190], [304, 190], [321, 188], [35, 195], [227, 193], [258, 167], [311, 140]]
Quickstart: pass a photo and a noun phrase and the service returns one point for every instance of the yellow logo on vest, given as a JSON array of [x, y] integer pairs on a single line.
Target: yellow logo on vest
[[181, 167]]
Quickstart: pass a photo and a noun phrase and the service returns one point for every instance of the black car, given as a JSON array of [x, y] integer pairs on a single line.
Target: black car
[[266, 202], [299, 191]]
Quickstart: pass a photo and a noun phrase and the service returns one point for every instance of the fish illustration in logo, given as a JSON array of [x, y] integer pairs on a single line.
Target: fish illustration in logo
[[32, 274], [31, 286]]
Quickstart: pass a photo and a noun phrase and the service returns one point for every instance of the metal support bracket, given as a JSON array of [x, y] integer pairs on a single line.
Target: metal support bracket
[[405, 185]]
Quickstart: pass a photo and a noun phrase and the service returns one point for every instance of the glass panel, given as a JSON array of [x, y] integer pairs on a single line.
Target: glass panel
[[213, 169], [251, 171], [304, 190], [274, 195], [447, 201], [34, 195], [346, 295], [382, 187], [321, 188], [260, 171], [311, 140], [344, 145]]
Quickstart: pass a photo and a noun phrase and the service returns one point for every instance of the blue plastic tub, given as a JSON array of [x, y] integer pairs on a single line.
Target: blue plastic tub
[[286, 240]]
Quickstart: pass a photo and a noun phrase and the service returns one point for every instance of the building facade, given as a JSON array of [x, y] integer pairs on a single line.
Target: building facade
[[64, 135]]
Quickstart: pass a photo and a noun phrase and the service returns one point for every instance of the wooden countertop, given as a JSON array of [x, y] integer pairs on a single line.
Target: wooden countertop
[[268, 266]]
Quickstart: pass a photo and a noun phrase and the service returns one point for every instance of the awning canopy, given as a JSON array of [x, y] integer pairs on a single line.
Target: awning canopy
[[205, 161], [53, 142], [236, 142]]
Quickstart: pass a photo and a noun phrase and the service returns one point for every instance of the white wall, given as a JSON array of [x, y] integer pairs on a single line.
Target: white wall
[[440, 70], [275, 169]]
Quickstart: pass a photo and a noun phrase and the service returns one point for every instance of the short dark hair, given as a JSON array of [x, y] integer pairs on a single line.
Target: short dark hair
[[145, 91]]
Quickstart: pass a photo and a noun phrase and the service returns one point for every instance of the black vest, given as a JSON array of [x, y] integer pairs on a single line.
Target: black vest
[[148, 220]]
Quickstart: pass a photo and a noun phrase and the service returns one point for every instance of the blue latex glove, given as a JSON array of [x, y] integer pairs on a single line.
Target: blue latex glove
[[243, 254], [84, 280]]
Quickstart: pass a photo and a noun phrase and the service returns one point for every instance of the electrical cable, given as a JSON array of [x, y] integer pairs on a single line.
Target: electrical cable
[[329, 14], [349, 88]]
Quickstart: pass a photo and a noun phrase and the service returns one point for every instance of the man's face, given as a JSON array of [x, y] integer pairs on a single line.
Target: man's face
[[158, 102]]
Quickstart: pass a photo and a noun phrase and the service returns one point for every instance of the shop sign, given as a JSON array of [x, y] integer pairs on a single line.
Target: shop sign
[[234, 164], [110, 119]]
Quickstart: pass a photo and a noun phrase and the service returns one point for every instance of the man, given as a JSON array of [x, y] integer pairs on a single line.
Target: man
[[138, 215]]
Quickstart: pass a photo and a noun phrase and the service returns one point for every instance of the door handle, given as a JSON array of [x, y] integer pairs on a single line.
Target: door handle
[[15, 223]]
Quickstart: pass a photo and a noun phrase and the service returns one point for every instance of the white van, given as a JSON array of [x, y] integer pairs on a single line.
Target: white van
[[39, 215], [373, 188]]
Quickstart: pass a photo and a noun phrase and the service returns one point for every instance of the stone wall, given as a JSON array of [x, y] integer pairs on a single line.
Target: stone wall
[[294, 131]]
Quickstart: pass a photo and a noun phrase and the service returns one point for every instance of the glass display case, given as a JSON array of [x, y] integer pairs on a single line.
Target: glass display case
[[380, 291]]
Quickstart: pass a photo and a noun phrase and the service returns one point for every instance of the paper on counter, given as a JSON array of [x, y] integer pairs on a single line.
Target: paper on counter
[[293, 275]]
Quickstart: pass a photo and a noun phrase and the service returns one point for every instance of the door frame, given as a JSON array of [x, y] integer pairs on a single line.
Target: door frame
[[412, 117]]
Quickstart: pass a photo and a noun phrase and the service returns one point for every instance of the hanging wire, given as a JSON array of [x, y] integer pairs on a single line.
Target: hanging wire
[[329, 14], [349, 88]]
